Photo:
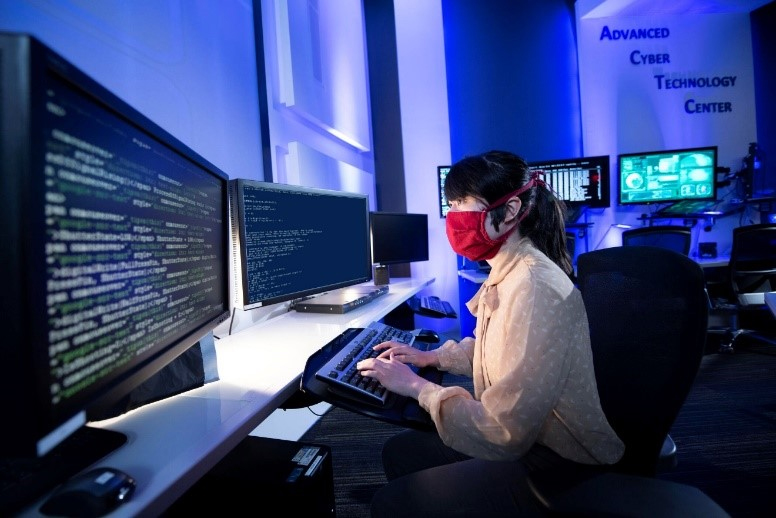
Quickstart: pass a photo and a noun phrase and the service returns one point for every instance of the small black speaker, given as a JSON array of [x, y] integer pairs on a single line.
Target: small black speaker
[[707, 250], [382, 275]]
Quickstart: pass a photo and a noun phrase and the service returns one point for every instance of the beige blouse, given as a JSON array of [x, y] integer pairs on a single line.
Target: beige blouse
[[531, 365]]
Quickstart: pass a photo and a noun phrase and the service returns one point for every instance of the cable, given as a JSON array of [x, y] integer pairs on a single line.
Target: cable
[[231, 321], [313, 412]]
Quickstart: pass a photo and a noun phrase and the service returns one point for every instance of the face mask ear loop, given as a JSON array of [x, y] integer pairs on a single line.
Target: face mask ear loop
[[533, 180], [536, 179]]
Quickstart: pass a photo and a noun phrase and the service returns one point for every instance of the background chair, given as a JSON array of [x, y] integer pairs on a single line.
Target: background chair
[[751, 273], [648, 312], [571, 242], [571, 245], [672, 237]]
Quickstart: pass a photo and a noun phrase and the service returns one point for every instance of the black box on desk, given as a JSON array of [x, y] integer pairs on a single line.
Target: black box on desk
[[261, 475], [382, 275], [707, 250]]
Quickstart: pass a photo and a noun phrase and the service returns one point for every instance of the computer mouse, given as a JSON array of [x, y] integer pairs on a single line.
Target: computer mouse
[[93, 493], [427, 335]]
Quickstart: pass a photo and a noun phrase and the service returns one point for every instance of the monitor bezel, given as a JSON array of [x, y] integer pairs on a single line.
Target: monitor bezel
[[240, 296], [712, 197]]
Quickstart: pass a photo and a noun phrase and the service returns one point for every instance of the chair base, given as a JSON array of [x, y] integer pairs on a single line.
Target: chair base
[[727, 346], [593, 492], [735, 324], [732, 337], [668, 459]]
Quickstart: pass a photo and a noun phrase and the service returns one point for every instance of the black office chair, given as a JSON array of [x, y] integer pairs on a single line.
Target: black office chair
[[751, 273], [678, 239], [648, 312], [672, 237]]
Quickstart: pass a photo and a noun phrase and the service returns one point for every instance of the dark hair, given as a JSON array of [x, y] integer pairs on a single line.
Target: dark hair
[[492, 175]]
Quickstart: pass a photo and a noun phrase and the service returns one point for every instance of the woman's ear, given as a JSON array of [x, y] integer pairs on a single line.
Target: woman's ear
[[513, 209]]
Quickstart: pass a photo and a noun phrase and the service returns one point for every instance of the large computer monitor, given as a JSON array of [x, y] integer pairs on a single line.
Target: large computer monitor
[[398, 237], [579, 182], [667, 176], [114, 253], [291, 241]]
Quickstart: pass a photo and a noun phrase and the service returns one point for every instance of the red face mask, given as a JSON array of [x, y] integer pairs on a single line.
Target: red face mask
[[467, 234]]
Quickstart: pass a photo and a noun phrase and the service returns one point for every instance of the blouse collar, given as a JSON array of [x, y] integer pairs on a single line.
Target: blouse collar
[[513, 251]]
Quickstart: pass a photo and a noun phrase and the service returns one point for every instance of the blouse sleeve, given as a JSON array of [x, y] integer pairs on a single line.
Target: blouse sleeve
[[456, 357]]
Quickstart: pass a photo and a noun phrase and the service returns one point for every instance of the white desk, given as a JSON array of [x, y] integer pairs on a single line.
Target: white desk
[[173, 442], [712, 262]]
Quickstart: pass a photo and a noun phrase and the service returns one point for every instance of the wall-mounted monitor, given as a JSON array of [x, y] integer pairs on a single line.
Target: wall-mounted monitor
[[291, 241], [667, 176], [442, 171], [579, 182], [115, 249], [398, 237]]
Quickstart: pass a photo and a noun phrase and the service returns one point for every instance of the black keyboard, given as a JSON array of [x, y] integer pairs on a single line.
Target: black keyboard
[[431, 306], [441, 307], [25, 480], [341, 373]]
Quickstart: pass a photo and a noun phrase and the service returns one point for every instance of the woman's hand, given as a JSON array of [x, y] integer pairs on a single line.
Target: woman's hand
[[393, 375], [407, 354]]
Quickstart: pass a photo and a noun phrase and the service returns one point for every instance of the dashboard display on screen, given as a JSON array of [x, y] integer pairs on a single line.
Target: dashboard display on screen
[[578, 181], [667, 176]]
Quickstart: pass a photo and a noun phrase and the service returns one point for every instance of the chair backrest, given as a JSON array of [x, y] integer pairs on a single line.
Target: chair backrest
[[648, 313], [753, 259], [672, 237]]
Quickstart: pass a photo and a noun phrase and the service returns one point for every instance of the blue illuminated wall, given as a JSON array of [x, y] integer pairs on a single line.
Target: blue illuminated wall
[[512, 78], [764, 58], [189, 67]]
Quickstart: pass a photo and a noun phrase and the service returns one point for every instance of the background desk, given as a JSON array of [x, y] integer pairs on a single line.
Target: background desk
[[173, 442], [712, 262]]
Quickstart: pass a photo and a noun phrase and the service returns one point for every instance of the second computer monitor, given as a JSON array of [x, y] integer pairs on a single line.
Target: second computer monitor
[[291, 241], [578, 181]]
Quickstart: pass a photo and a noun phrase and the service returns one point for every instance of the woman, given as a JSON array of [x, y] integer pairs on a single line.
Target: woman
[[535, 403]]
